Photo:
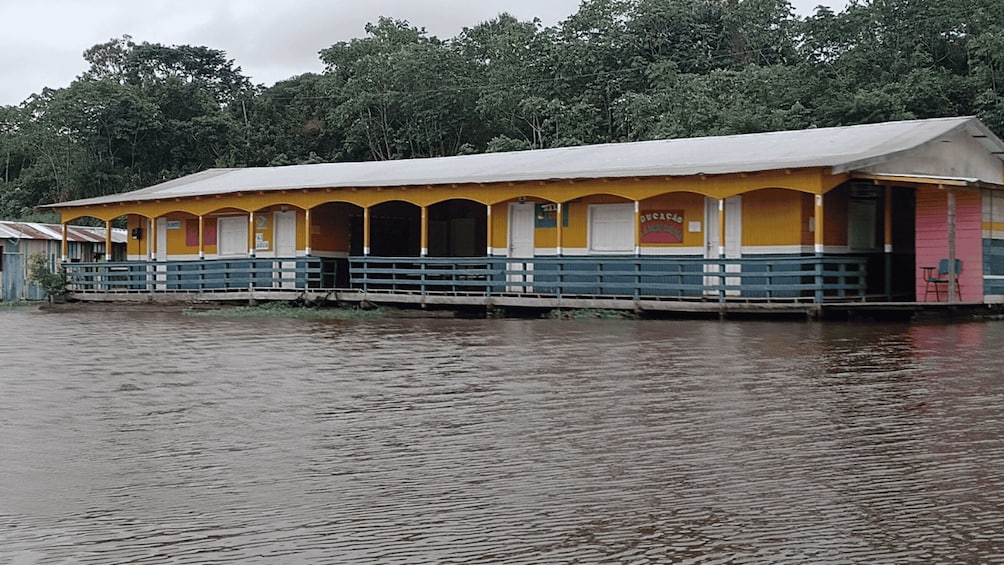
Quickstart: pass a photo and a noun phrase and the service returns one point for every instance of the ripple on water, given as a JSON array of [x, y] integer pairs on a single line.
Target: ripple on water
[[150, 437]]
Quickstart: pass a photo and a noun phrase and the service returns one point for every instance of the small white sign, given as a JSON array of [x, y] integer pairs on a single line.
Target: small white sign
[[694, 227], [261, 245], [174, 224]]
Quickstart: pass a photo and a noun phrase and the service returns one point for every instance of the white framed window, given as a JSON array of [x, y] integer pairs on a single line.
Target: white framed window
[[232, 236], [611, 228]]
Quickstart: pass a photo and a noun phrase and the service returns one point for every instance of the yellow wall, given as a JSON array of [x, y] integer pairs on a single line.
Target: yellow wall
[[773, 217], [500, 226], [835, 205], [136, 246], [774, 204]]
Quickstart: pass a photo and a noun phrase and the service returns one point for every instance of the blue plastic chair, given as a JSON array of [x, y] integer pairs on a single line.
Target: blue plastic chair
[[933, 279]]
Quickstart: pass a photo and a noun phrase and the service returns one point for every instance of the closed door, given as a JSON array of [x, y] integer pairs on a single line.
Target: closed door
[[521, 242], [161, 253], [285, 246], [232, 236], [521, 245], [733, 239]]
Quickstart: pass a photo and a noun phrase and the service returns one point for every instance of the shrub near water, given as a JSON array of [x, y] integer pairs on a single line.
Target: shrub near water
[[285, 310]]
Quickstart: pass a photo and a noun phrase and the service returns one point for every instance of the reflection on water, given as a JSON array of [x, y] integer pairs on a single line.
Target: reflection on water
[[151, 437]]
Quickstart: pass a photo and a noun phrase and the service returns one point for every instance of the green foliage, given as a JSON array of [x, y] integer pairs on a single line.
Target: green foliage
[[591, 314], [287, 310], [616, 70], [52, 283]]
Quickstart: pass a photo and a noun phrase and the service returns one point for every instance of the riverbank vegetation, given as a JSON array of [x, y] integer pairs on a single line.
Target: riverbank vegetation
[[286, 310], [616, 70]]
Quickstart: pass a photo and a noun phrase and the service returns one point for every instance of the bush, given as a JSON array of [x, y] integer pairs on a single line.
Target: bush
[[53, 284]]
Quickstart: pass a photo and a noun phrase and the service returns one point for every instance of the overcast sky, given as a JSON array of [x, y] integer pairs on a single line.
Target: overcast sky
[[42, 41]]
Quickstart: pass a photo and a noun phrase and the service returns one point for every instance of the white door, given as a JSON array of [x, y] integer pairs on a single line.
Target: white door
[[733, 239], [161, 252], [285, 246], [521, 245], [711, 243], [232, 236]]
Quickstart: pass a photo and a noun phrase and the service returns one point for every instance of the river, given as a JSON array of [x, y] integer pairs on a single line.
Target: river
[[152, 437]]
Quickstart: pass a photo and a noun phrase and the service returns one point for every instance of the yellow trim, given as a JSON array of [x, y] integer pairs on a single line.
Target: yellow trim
[[809, 180]]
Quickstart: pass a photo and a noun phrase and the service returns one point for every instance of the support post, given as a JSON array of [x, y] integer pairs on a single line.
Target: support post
[[953, 277], [202, 237], [307, 232], [251, 234], [560, 234], [108, 240], [65, 245], [818, 227], [366, 231], [637, 228], [721, 250], [152, 239], [819, 218], [425, 231]]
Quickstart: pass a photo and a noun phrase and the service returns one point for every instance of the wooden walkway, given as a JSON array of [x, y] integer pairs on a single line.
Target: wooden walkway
[[732, 306]]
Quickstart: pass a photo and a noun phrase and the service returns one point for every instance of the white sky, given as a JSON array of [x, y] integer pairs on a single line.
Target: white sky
[[42, 41]]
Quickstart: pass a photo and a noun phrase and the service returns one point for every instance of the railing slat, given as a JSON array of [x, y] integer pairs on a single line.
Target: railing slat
[[806, 278]]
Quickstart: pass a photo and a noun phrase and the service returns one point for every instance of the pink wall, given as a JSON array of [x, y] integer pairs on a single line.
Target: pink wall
[[932, 239]]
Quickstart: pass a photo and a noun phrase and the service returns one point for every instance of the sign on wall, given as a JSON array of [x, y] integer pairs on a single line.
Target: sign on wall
[[546, 215], [661, 226]]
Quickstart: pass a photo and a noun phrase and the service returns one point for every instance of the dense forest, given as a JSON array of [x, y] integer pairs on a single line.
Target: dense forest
[[617, 70]]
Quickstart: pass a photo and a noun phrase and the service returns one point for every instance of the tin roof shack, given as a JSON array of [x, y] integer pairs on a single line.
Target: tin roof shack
[[19, 240], [817, 215]]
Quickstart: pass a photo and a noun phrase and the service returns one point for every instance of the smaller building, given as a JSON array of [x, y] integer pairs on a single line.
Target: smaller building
[[20, 240]]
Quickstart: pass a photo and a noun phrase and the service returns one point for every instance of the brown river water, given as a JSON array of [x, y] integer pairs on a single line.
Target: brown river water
[[152, 437]]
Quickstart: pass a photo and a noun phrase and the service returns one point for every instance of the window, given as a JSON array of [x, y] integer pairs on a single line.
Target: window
[[611, 228]]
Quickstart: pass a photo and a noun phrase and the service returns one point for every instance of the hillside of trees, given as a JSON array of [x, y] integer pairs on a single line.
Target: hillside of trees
[[617, 70]]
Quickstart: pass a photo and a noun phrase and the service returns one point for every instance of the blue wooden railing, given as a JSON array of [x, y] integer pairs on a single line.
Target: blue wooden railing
[[202, 275], [807, 279], [770, 279]]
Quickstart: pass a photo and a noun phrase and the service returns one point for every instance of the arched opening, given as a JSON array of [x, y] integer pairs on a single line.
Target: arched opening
[[457, 228], [395, 231]]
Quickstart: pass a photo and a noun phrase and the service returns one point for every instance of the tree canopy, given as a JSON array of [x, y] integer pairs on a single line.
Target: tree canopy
[[616, 70]]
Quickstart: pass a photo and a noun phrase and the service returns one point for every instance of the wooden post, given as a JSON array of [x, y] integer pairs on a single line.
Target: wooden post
[[721, 229], [818, 227], [425, 231], [818, 219], [108, 240], [306, 235], [251, 234], [153, 239], [65, 246], [953, 277], [637, 228], [202, 237], [366, 231], [721, 253]]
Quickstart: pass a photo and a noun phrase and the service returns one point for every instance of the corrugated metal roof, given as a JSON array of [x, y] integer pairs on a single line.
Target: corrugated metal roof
[[842, 149], [34, 230]]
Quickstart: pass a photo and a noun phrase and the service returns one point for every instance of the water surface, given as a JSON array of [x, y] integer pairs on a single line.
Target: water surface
[[150, 437]]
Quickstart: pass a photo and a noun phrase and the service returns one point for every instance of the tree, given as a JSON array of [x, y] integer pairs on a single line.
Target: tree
[[53, 283], [404, 94]]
